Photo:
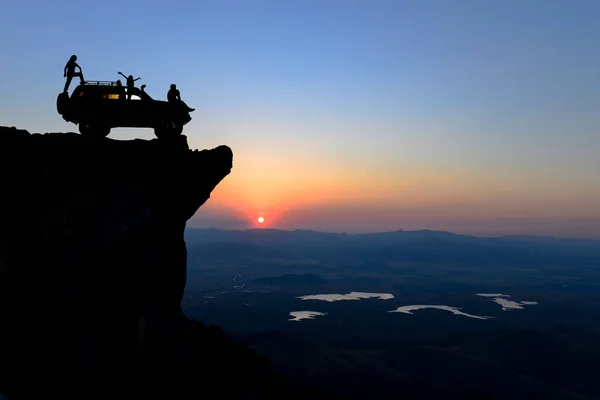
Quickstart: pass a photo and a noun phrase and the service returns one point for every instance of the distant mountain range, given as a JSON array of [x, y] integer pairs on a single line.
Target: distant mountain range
[[397, 246], [310, 235]]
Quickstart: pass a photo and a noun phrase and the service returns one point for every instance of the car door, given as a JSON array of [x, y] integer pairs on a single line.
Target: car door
[[111, 107], [135, 110]]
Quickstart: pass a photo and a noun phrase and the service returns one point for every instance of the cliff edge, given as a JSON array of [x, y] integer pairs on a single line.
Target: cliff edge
[[93, 268]]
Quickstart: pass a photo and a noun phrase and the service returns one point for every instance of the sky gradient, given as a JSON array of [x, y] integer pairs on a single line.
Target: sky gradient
[[473, 116]]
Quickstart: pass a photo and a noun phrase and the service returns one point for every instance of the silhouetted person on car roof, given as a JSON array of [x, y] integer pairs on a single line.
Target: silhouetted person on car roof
[[173, 96], [69, 72], [130, 84]]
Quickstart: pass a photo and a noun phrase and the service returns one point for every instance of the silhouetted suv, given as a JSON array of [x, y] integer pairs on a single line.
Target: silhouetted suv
[[99, 106]]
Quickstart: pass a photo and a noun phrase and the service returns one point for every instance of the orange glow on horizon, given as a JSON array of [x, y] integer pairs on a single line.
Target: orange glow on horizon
[[300, 193]]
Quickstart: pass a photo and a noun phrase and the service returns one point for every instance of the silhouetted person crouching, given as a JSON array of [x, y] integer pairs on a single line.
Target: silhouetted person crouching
[[130, 84], [69, 72], [173, 96]]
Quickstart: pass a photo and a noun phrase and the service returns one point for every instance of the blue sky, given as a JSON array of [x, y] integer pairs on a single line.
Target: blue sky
[[471, 111]]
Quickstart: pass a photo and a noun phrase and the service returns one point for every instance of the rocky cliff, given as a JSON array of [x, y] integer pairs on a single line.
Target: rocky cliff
[[93, 267]]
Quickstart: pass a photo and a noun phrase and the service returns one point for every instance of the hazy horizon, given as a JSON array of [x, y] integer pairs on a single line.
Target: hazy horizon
[[471, 117], [240, 225]]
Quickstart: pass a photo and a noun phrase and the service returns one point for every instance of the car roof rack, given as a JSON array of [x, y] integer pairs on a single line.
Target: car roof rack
[[100, 83]]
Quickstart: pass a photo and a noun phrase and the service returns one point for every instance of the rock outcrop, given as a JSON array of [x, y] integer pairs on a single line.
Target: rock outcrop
[[93, 262]]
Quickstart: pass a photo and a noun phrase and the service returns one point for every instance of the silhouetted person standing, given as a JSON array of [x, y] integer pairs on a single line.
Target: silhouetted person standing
[[173, 96], [130, 84], [69, 72]]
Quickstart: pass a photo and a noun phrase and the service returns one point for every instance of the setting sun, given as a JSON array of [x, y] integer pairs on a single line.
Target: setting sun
[[261, 220]]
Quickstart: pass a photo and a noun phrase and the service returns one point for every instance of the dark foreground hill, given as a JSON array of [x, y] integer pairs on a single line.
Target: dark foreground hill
[[93, 267], [503, 364]]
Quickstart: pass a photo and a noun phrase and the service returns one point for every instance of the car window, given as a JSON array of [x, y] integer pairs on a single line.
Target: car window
[[115, 96], [134, 96]]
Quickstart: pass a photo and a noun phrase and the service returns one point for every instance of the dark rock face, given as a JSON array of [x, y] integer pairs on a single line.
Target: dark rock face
[[92, 248]]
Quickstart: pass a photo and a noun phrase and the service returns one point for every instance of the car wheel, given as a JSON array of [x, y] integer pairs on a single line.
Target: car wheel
[[177, 129], [94, 131], [160, 133], [62, 103], [85, 130], [168, 130], [171, 129], [102, 131]]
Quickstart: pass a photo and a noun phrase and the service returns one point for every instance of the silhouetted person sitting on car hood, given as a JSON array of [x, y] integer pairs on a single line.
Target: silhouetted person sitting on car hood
[[130, 84], [173, 96], [69, 72]]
